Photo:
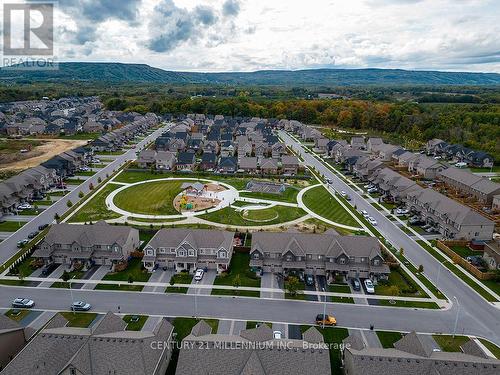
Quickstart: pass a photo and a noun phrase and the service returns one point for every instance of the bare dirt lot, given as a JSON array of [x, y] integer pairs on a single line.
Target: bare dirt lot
[[11, 157]]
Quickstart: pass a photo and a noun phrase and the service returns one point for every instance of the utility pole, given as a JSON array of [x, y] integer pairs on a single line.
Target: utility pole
[[456, 318], [324, 308]]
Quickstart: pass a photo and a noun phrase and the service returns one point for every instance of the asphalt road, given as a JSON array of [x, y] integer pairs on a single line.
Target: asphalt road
[[476, 314], [9, 246]]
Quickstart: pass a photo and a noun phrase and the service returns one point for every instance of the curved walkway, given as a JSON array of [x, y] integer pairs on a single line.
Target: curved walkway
[[226, 198], [315, 215]]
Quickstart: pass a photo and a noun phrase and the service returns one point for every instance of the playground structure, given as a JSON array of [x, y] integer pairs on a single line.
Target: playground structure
[[198, 197]]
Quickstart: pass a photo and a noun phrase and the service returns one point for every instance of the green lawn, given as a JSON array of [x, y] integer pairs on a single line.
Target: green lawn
[[322, 203], [85, 173], [387, 338], [333, 335], [465, 251], [179, 278], [496, 168], [239, 272], [251, 324], [95, 209], [409, 304], [289, 195], [134, 269], [154, 198], [10, 226], [229, 216], [449, 343], [495, 350], [79, 319], [81, 136], [405, 286], [340, 288], [72, 275], [74, 181], [110, 152], [24, 268], [135, 325], [121, 288], [243, 204], [44, 203], [17, 314]]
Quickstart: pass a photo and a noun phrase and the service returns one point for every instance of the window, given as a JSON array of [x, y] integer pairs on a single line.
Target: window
[[150, 252], [476, 234], [376, 262], [256, 255], [191, 253], [342, 261], [222, 254], [182, 253], [288, 258], [162, 250]]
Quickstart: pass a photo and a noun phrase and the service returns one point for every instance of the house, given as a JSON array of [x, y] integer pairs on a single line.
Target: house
[[278, 150], [480, 159], [318, 254], [101, 244], [269, 166], [208, 161], [385, 151], [252, 351], [452, 219], [321, 144], [290, 165], [415, 354], [13, 337], [495, 206], [365, 167], [146, 158], [247, 164], [373, 143], [261, 149], [65, 163], [426, 167], [165, 160], [491, 254], [186, 161], [358, 143], [228, 164], [468, 183], [404, 159], [189, 249], [391, 184], [435, 146], [106, 347]]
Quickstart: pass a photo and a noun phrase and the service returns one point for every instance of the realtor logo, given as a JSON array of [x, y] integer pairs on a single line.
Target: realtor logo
[[28, 35]]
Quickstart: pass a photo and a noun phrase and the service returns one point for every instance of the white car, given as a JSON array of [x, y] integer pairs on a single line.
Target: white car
[[23, 303], [372, 221], [372, 190], [277, 335], [25, 206], [402, 211], [198, 274], [343, 193], [364, 213], [370, 289], [80, 306]]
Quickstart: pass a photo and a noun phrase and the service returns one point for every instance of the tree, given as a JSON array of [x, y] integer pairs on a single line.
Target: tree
[[57, 217], [402, 252], [237, 281], [69, 203], [99, 179], [80, 194], [420, 268], [292, 285], [393, 290], [65, 276], [130, 279], [91, 186]]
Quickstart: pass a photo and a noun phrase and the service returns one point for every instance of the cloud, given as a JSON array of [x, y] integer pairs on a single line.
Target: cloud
[[205, 15], [231, 8]]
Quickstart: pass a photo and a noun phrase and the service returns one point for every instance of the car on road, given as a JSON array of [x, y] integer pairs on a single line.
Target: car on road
[[22, 243], [309, 280], [329, 181], [356, 285], [277, 335], [365, 214], [24, 303], [327, 320], [343, 193], [347, 197], [42, 227], [47, 269], [32, 235], [198, 274], [80, 306], [370, 288], [372, 221]]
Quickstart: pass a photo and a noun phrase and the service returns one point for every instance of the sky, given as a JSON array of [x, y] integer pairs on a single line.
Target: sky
[[249, 35]]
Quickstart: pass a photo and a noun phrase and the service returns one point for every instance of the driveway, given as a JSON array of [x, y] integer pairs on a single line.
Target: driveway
[[159, 276], [208, 279], [268, 280], [56, 274], [98, 274]]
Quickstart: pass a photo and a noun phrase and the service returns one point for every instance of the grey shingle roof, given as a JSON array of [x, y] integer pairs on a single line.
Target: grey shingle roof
[[204, 238]]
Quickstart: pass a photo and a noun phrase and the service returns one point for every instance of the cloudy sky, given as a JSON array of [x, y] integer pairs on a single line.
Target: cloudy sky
[[246, 35]]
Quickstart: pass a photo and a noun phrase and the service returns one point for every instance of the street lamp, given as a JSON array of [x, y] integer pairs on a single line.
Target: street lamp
[[71, 293], [195, 300], [456, 318]]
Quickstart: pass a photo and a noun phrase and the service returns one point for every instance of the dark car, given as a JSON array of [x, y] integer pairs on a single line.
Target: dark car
[[32, 235], [42, 227], [310, 280], [356, 285], [47, 270]]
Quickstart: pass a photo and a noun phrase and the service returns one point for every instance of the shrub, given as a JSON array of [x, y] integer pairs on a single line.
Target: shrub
[[80, 194], [69, 203]]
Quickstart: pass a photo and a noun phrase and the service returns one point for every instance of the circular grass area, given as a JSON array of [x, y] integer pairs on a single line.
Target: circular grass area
[[152, 198], [260, 215], [275, 215]]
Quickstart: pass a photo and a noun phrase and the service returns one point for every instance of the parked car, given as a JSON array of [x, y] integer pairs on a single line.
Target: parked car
[[369, 186], [328, 181], [327, 320], [42, 227], [23, 303], [80, 306], [47, 269], [461, 165], [25, 206], [343, 193], [370, 289], [32, 235], [372, 221], [372, 190], [364, 213], [22, 243], [310, 280], [415, 220], [277, 335], [356, 284], [198, 274], [402, 211], [347, 197], [84, 169]]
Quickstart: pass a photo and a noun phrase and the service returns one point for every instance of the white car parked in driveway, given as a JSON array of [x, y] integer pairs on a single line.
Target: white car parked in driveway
[[198, 274], [370, 289], [402, 211], [372, 221], [277, 335]]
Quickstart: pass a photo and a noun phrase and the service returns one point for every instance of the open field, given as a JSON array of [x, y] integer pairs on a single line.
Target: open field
[[289, 195], [11, 158], [321, 202], [95, 209], [276, 215], [154, 198]]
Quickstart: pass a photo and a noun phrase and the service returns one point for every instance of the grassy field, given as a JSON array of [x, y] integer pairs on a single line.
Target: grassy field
[[409, 304], [239, 273], [387, 338], [17, 314], [229, 216], [404, 285], [321, 202], [95, 209], [10, 147], [179, 278], [340, 288], [135, 326], [289, 195], [495, 350], [79, 319], [10, 226], [134, 269], [120, 288], [449, 343], [156, 198], [465, 251]]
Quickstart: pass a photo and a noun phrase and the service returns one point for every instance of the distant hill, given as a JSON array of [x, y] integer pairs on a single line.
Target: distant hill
[[135, 73]]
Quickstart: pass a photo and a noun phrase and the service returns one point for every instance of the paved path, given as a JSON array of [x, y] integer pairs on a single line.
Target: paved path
[[97, 275], [159, 276], [151, 323], [371, 339]]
